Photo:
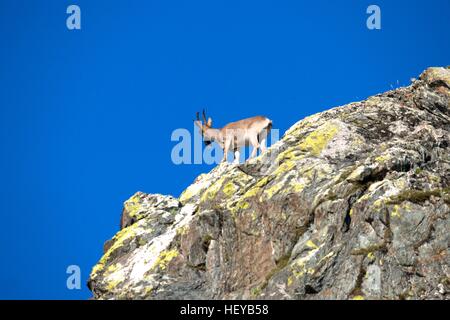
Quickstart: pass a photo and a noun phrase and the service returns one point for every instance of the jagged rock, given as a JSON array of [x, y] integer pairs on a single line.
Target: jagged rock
[[352, 203]]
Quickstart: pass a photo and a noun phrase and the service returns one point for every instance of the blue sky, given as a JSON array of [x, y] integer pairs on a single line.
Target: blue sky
[[86, 116]]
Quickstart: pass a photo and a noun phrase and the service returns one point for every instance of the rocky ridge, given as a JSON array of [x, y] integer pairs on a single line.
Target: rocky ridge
[[351, 203]]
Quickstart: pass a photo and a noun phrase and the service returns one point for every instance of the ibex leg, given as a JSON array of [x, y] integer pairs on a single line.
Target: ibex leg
[[237, 156], [255, 145]]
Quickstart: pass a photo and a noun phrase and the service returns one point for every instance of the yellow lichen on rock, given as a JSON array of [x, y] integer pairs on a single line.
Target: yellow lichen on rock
[[317, 140], [132, 205], [213, 189], [298, 267], [297, 187], [148, 290], [118, 241], [229, 189], [187, 194], [292, 153], [164, 258], [311, 244], [395, 211], [270, 192], [112, 284], [182, 230], [326, 257], [244, 200], [255, 189], [290, 280], [300, 126], [112, 268], [397, 208], [243, 205], [199, 185], [382, 158]]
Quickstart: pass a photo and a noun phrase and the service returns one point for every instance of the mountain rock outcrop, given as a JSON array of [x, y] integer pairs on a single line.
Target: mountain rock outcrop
[[351, 203]]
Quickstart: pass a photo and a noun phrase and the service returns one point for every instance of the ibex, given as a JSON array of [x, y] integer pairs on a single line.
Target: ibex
[[251, 131]]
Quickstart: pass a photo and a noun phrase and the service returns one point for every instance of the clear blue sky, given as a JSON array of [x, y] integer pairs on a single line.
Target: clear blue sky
[[86, 116]]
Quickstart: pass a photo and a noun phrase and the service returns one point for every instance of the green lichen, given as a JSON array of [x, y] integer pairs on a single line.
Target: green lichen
[[256, 291], [369, 249], [417, 196]]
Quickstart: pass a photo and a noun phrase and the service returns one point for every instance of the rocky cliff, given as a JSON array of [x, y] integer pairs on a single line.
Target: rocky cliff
[[352, 203]]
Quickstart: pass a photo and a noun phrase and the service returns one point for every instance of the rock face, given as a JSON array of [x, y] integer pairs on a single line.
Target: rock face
[[352, 203]]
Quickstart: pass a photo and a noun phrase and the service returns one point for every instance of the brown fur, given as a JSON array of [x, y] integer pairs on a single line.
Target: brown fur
[[250, 131]]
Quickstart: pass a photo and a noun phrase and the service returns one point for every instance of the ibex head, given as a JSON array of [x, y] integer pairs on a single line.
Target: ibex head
[[204, 127]]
